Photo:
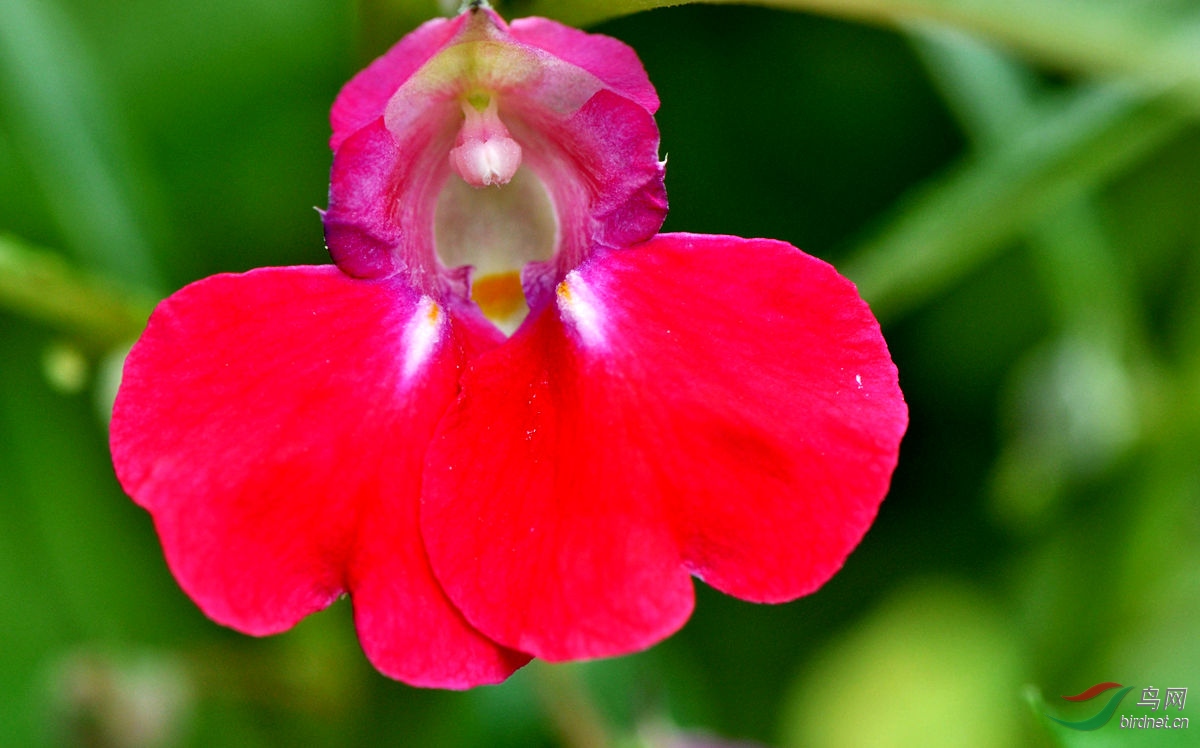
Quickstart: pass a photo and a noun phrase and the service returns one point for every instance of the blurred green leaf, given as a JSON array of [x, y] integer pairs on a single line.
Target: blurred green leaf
[[31, 611], [62, 120], [956, 222], [996, 98], [42, 285], [989, 92], [1074, 403], [934, 665], [382, 22], [97, 555], [1158, 43]]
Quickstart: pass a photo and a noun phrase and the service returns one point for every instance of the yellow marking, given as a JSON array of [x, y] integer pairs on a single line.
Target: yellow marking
[[499, 296], [484, 64], [479, 100]]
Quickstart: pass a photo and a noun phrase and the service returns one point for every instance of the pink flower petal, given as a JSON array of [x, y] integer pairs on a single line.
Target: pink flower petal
[[382, 197], [576, 114], [601, 166], [712, 405], [364, 98], [274, 424], [609, 59]]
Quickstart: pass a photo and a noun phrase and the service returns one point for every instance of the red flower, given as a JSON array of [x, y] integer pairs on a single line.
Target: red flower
[[667, 406]]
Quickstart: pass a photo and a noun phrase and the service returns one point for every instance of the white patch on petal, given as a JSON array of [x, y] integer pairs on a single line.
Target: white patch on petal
[[580, 309], [421, 335]]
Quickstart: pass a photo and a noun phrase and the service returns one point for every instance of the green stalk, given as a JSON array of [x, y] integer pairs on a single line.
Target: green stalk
[[959, 221], [39, 284]]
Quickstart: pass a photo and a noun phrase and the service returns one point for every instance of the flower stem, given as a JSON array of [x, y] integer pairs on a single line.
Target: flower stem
[[40, 284], [565, 698]]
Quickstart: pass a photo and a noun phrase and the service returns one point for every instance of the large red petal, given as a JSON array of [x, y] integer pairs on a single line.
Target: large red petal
[[766, 395], [274, 424], [534, 516], [712, 404]]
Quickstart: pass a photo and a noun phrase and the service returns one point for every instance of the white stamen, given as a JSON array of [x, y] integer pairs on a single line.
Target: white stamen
[[487, 163], [484, 154]]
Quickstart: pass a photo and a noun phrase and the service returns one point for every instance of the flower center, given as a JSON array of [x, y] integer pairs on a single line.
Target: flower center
[[497, 218]]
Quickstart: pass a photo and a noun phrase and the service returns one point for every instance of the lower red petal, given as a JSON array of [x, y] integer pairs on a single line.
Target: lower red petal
[[274, 424], [710, 404], [767, 398], [534, 516]]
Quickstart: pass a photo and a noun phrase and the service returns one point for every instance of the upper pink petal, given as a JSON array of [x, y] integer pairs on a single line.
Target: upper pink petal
[[578, 108], [382, 196], [711, 404], [609, 59], [364, 98], [274, 424], [601, 166]]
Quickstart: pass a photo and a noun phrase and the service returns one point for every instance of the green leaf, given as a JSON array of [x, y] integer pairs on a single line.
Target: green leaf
[[64, 123]]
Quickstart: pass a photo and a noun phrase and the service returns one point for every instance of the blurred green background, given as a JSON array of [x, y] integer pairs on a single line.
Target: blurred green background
[[1015, 186]]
